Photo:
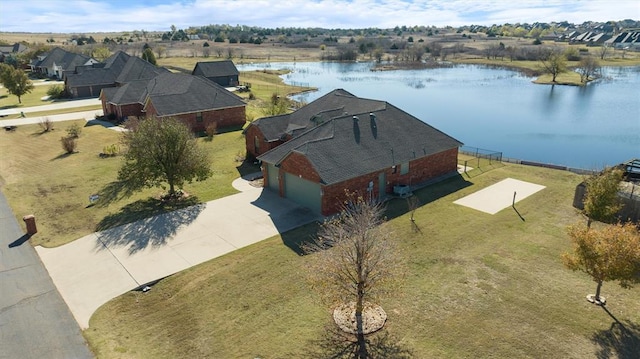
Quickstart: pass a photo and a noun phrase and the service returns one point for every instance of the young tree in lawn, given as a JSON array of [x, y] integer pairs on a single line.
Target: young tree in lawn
[[162, 151], [554, 63], [609, 253], [354, 264], [15, 81], [601, 201]]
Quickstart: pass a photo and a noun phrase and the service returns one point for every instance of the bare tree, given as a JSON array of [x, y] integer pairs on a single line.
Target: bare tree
[[588, 67], [355, 261], [603, 51]]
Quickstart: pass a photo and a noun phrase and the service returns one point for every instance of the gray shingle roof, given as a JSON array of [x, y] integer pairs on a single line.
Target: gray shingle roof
[[215, 68], [65, 59], [138, 69], [341, 148], [328, 106], [173, 94]]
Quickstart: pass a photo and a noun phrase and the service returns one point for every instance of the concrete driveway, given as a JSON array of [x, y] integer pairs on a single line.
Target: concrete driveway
[[94, 269]]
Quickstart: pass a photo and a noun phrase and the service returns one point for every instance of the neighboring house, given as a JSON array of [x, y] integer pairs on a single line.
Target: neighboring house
[[342, 143], [224, 73], [625, 40], [11, 50], [194, 100], [58, 62], [118, 69]]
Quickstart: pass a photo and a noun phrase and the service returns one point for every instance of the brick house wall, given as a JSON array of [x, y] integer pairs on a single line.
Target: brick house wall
[[250, 136], [224, 118], [334, 196]]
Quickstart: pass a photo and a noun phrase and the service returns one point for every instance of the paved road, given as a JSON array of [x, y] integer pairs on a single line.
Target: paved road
[[34, 320], [96, 268], [53, 106]]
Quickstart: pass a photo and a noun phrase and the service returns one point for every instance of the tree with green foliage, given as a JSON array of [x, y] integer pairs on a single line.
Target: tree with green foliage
[[601, 201], [15, 81], [609, 253], [101, 53], [553, 63], [162, 151], [277, 105], [148, 56]]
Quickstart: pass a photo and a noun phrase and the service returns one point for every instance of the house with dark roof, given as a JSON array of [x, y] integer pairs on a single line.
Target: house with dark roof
[[194, 100], [224, 73], [118, 69], [58, 62], [11, 50], [342, 143]]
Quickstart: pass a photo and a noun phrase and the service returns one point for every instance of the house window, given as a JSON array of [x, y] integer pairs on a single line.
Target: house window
[[404, 168], [256, 144], [199, 117]]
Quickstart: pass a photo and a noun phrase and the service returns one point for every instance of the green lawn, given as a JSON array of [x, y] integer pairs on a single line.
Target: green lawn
[[38, 178], [34, 98], [477, 286]]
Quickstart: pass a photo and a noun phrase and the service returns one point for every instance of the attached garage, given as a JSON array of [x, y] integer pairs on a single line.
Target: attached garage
[[272, 177], [303, 191]]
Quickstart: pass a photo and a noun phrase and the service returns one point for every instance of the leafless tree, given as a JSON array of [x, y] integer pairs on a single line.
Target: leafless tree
[[354, 259], [587, 68], [603, 51]]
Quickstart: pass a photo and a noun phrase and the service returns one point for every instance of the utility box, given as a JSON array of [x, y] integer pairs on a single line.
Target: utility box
[[30, 221]]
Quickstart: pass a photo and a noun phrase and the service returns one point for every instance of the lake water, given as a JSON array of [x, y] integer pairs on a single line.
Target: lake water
[[501, 110]]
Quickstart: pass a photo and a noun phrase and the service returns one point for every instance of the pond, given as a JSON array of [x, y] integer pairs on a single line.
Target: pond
[[498, 109]]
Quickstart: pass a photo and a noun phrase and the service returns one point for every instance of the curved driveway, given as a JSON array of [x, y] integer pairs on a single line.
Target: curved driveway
[[90, 271]]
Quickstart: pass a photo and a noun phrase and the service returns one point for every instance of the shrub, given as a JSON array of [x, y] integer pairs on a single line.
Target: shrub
[[211, 130], [252, 96], [46, 125], [56, 92], [69, 144], [110, 150], [74, 130]]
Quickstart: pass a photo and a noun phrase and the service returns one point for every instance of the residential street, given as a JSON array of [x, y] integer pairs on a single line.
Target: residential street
[[34, 320]]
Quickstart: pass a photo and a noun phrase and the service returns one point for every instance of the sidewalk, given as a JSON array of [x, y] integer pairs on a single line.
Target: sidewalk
[[53, 106], [86, 115], [94, 269]]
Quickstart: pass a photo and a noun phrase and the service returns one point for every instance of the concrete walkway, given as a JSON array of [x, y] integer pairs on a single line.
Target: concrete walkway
[[86, 115], [53, 106], [92, 270]]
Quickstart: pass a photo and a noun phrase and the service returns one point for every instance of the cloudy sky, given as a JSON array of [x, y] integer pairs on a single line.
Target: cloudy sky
[[125, 15]]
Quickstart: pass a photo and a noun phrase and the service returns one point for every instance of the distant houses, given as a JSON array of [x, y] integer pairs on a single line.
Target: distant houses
[[129, 86], [7, 51], [58, 62], [194, 100]]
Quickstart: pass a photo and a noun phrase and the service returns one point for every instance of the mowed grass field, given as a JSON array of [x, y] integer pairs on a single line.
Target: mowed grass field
[[476, 286], [39, 178]]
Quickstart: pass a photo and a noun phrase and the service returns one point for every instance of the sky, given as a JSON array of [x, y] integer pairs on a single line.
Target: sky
[[86, 16]]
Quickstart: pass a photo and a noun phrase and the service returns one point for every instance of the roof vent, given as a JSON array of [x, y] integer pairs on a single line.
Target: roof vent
[[372, 116], [355, 118]]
